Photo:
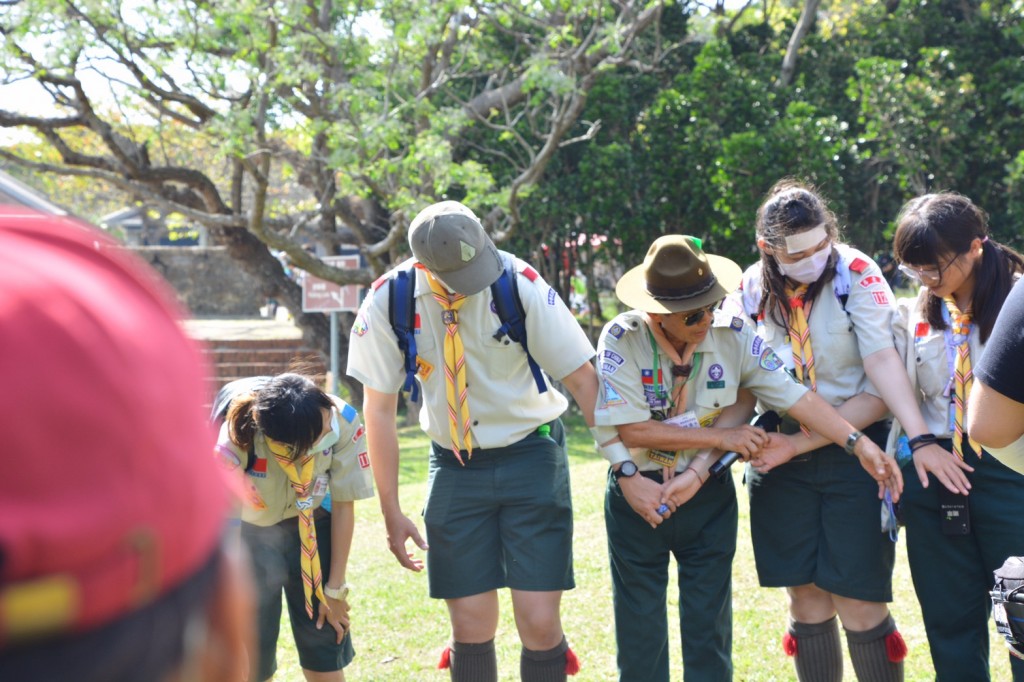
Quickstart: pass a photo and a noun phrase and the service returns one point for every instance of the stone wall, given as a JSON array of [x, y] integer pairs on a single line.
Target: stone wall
[[208, 282]]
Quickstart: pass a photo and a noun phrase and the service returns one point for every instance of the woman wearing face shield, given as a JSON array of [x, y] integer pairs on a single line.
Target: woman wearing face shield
[[826, 309], [942, 242], [295, 445]]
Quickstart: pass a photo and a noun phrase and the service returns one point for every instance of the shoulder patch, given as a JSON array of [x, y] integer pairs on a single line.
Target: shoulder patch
[[530, 274], [552, 296], [360, 326], [616, 330], [736, 324], [870, 280], [348, 413], [379, 282], [769, 360], [881, 298], [611, 396], [858, 265], [756, 346]]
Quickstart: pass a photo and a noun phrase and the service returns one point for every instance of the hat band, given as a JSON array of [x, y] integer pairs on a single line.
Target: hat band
[[675, 294]]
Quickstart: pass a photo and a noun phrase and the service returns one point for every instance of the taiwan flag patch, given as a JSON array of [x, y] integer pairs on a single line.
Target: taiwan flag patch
[[921, 329]]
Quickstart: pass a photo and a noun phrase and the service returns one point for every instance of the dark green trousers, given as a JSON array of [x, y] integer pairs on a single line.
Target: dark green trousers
[[953, 574], [701, 535]]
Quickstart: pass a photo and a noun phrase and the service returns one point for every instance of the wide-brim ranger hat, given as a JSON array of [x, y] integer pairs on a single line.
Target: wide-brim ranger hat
[[448, 239], [677, 276]]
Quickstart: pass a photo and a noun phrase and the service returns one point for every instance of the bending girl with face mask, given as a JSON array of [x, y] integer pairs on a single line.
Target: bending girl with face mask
[[826, 309], [296, 446]]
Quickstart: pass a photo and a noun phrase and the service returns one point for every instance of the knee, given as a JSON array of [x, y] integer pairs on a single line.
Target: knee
[[810, 604], [539, 629]]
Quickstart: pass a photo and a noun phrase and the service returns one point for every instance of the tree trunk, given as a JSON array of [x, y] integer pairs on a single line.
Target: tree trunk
[[802, 27]]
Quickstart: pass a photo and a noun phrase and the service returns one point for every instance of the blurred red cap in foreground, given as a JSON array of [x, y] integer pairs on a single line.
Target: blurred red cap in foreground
[[109, 493]]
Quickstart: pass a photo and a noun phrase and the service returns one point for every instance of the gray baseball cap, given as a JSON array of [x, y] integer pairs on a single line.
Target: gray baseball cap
[[448, 239]]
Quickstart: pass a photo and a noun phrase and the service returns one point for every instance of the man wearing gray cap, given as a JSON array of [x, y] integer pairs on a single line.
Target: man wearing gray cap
[[498, 511]]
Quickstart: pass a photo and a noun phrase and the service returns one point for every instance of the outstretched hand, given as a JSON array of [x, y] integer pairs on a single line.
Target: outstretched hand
[[947, 468], [401, 529]]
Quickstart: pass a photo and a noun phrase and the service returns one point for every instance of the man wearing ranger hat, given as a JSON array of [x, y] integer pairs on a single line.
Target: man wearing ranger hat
[[498, 511], [679, 379]]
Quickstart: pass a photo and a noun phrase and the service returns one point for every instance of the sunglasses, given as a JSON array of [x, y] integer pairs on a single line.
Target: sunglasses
[[698, 315]]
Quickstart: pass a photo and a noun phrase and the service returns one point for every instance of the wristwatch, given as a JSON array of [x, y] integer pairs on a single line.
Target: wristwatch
[[626, 470], [851, 441], [339, 593]]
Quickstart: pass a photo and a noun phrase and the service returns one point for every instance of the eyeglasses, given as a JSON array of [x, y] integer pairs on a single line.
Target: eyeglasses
[[929, 274], [698, 315]]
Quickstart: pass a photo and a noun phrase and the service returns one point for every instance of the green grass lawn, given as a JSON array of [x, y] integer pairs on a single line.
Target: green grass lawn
[[399, 632]]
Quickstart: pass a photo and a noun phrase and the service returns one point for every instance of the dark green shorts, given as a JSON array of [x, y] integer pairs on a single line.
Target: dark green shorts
[[817, 519], [503, 520], [275, 552]]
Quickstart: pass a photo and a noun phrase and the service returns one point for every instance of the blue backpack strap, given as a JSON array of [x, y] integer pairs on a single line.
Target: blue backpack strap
[[505, 292], [402, 314]]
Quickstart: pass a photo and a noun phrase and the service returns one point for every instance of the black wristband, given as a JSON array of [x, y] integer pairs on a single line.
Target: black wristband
[[924, 439]]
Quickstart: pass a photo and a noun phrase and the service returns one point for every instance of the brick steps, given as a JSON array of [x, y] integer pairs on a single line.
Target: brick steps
[[236, 358]]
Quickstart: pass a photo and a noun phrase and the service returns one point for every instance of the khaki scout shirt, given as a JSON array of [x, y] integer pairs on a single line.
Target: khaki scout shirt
[[929, 364], [840, 340], [732, 356], [343, 468], [504, 404]]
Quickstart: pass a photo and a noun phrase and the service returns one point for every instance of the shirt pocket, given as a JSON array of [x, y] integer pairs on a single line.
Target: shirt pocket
[[931, 366], [715, 394]]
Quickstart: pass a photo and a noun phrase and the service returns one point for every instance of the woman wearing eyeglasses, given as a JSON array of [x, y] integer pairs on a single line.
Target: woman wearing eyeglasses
[[954, 540], [295, 445], [814, 514]]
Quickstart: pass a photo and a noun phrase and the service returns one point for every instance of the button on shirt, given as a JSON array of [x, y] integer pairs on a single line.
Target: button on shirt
[[504, 403], [731, 357], [345, 464], [840, 339]]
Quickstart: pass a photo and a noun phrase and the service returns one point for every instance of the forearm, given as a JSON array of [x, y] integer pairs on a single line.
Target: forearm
[[832, 425], [343, 523], [382, 446], [888, 373], [661, 436], [582, 383]]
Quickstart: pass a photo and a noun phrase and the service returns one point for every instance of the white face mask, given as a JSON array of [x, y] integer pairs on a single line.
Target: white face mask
[[806, 270], [331, 437]]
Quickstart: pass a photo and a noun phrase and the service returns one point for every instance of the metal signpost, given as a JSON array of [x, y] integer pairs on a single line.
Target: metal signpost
[[319, 295]]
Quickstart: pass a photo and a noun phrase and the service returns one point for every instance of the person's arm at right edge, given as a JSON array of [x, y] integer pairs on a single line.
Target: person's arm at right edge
[[379, 415]]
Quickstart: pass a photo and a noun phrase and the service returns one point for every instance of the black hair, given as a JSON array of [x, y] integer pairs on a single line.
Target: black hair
[[791, 207], [943, 225], [287, 409], [146, 644]]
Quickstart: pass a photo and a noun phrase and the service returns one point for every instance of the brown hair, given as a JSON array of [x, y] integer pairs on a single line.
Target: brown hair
[[791, 207]]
